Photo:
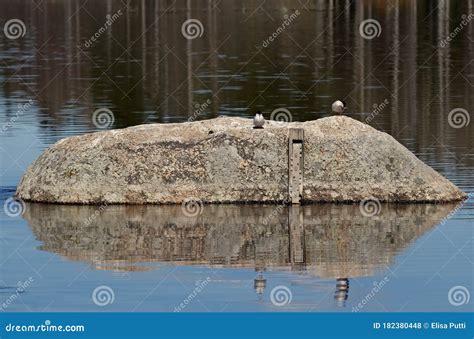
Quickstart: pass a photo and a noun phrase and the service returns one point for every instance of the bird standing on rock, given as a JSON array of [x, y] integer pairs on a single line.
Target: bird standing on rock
[[258, 120], [339, 107]]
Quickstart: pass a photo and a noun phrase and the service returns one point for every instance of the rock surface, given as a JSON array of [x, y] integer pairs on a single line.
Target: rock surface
[[225, 160]]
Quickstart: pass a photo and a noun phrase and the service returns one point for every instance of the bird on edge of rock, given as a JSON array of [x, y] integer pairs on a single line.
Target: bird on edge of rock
[[258, 120], [339, 107]]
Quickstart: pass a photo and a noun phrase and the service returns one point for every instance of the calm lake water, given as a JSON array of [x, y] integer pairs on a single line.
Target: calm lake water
[[404, 80]]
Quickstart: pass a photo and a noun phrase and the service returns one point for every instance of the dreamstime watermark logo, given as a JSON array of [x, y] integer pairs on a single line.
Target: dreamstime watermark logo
[[376, 289], [103, 295], [103, 118], [199, 108], [281, 296], [21, 287], [466, 19], [458, 296], [14, 207], [110, 19], [192, 29], [455, 210], [459, 118], [369, 29], [96, 213], [281, 114], [378, 108], [288, 19], [200, 285], [275, 212], [14, 29], [192, 207], [47, 326], [22, 109], [370, 207]]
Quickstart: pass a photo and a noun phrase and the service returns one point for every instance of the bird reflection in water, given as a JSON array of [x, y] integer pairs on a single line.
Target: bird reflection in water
[[259, 285], [342, 291]]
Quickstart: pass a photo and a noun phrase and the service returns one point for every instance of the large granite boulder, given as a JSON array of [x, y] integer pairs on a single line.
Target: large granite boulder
[[226, 160]]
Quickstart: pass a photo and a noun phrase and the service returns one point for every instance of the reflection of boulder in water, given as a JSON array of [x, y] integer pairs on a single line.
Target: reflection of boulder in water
[[330, 241]]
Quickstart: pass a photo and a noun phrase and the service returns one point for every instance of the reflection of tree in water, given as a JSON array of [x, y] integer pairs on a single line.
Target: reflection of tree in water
[[161, 75], [328, 241]]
